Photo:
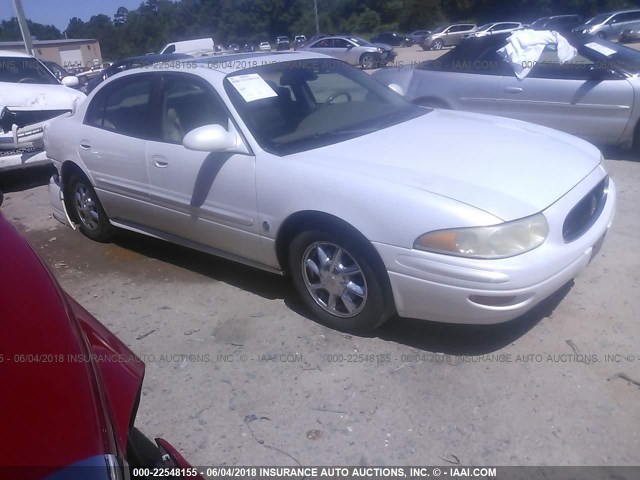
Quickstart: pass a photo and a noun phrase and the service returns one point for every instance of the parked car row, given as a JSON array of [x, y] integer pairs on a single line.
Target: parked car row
[[622, 25]]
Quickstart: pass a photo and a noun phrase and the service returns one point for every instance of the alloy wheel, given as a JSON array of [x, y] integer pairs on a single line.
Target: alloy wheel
[[334, 279]]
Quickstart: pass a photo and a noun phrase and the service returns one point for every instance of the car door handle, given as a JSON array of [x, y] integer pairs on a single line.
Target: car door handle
[[513, 90], [85, 145], [160, 161]]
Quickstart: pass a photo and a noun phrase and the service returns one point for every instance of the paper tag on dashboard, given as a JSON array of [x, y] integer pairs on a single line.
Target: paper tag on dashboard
[[252, 87]]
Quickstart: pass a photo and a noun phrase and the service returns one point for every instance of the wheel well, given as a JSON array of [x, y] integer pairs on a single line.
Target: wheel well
[[67, 170], [307, 220], [374, 55], [431, 102]]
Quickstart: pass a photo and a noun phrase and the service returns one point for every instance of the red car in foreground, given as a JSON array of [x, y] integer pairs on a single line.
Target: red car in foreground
[[70, 388]]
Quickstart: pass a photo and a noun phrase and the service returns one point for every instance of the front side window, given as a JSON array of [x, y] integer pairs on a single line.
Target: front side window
[[25, 70], [300, 105], [188, 103]]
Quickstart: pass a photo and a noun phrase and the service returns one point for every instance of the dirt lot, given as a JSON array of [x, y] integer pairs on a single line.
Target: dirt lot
[[237, 374]]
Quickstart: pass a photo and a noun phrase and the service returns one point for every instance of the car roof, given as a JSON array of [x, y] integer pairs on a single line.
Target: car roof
[[230, 63], [10, 53]]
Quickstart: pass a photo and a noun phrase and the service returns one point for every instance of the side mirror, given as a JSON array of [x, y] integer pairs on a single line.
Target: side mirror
[[70, 81], [396, 88], [210, 138]]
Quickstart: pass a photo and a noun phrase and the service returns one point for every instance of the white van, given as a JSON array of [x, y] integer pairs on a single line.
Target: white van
[[199, 46]]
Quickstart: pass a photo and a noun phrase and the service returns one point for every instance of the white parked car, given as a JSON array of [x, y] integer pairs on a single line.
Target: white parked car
[[264, 47], [302, 164], [30, 96]]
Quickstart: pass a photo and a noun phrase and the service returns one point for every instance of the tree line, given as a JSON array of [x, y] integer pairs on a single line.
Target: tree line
[[157, 22]]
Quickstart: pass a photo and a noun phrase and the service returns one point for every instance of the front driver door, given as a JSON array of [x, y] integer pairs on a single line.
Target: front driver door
[[206, 198]]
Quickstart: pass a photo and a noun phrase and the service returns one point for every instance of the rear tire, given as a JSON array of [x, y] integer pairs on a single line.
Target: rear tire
[[86, 209], [341, 280]]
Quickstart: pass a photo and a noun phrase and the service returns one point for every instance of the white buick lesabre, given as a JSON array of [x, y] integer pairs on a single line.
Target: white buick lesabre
[[300, 163]]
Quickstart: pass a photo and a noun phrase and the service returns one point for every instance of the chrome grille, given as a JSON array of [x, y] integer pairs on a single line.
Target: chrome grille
[[586, 212]]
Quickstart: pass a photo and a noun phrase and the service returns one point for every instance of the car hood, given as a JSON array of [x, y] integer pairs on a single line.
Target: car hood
[[32, 96], [384, 46], [508, 168]]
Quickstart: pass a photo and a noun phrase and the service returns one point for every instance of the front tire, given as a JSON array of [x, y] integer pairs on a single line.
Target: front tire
[[87, 210], [341, 280], [368, 60], [437, 45]]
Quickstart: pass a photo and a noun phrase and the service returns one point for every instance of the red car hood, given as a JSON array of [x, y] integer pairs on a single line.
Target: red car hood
[[58, 404]]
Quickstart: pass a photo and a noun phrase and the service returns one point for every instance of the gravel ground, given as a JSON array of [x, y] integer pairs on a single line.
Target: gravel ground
[[237, 374]]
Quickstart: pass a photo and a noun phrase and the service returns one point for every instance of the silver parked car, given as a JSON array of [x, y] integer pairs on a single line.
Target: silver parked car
[[594, 96], [302, 164], [610, 25], [493, 28], [354, 51], [447, 36]]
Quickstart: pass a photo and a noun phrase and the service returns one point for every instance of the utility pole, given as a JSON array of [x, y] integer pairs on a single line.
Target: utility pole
[[315, 8], [24, 28]]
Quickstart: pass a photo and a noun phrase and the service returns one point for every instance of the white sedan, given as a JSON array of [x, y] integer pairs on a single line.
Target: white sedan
[[298, 163], [30, 95]]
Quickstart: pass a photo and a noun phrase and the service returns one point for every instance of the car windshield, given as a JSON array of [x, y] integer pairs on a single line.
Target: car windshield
[[305, 104], [598, 19], [484, 27], [624, 58], [439, 30], [360, 41], [540, 22], [25, 70]]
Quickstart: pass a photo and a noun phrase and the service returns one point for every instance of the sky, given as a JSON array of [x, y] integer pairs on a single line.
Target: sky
[[59, 12]]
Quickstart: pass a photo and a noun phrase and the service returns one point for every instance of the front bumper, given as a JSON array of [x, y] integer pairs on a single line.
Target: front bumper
[[56, 199], [444, 288], [22, 158]]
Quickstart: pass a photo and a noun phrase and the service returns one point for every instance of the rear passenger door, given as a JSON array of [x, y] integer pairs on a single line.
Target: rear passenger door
[[112, 145], [207, 198]]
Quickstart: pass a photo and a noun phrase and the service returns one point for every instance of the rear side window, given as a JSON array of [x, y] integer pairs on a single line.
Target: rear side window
[[124, 107]]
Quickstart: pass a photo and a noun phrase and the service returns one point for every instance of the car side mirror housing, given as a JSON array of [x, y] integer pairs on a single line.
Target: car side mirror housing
[[210, 138], [397, 88], [70, 81]]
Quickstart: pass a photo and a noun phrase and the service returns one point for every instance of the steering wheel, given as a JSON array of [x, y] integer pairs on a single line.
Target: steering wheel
[[330, 100], [27, 80]]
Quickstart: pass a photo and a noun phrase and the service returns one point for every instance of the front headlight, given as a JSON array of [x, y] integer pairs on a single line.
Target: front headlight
[[497, 241]]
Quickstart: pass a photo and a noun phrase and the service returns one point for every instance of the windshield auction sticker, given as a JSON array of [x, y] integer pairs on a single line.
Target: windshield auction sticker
[[252, 87]]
